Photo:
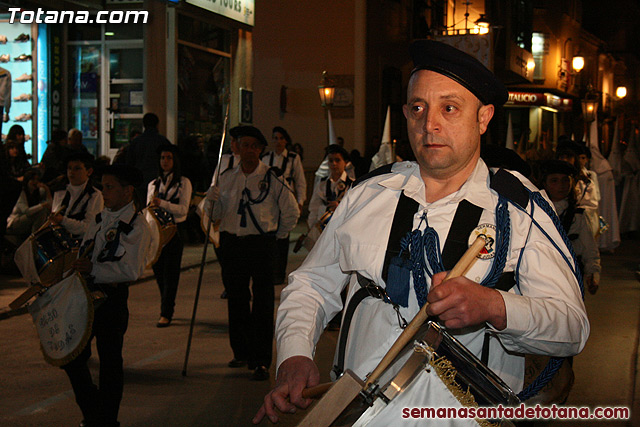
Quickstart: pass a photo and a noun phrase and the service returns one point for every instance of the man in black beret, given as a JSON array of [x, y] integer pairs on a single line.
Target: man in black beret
[[255, 207], [408, 223], [119, 235]]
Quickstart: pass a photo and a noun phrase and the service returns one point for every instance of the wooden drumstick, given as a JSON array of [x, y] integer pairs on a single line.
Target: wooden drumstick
[[461, 267], [347, 388]]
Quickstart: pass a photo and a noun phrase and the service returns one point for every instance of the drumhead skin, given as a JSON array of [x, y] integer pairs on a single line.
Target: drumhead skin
[[63, 316]]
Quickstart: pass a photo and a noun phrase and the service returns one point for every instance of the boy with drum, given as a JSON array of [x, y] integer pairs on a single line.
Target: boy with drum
[[77, 205], [120, 236]]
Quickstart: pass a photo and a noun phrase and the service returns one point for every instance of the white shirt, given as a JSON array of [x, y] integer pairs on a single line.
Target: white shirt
[[277, 213], [318, 203], [545, 315], [229, 161], [293, 173], [131, 250], [94, 205], [180, 191], [584, 244], [22, 207]]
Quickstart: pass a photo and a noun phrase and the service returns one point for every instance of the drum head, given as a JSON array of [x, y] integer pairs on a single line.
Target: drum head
[[63, 317]]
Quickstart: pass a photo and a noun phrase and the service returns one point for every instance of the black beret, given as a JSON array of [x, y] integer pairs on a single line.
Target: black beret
[[129, 174], [168, 147], [496, 156], [557, 166], [460, 67], [252, 132]]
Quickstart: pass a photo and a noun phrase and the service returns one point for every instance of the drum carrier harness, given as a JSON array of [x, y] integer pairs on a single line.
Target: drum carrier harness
[[405, 256]]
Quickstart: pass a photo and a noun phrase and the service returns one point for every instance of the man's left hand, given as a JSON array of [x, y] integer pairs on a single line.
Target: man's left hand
[[459, 303]]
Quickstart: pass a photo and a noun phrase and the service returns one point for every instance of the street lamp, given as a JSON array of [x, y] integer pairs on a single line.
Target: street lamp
[[621, 92], [327, 91], [590, 104]]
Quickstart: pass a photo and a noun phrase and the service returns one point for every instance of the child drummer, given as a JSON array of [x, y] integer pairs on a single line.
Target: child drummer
[[120, 234], [77, 205]]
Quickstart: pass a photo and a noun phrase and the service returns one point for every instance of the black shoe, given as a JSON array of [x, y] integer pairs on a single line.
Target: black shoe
[[235, 363], [260, 374], [163, 322]]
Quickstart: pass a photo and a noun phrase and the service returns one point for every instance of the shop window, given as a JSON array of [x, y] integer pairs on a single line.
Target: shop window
[[203, 34], [202, 78], [539, 48]]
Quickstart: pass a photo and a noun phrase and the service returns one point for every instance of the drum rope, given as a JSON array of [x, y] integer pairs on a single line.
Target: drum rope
[[426, 256]]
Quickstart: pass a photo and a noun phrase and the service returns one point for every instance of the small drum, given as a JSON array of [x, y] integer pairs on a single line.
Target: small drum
[[163, 228], [203, 209], [53, 249], [63, 316], [463, 374]]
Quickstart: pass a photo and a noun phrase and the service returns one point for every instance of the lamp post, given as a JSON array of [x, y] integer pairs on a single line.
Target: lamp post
[[589, 110], [327, 91]]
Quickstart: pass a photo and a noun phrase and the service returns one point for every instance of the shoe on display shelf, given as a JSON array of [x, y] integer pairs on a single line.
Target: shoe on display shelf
[[5, 58], [23, 98], [22, 118], [3, 39], [24, 78], [23, 58], [22, 38]]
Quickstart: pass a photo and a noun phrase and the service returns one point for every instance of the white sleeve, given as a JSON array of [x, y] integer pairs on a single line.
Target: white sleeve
[[586, 247], [150, 191], [545, 311], [289, 211], [316, 205], [312, 296], [95, 205], [300, 181]]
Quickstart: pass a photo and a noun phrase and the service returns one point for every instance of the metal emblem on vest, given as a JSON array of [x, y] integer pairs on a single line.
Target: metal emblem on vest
[[110, 235], [488, 231]]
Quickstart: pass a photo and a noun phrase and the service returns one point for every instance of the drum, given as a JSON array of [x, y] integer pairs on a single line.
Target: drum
[[214, 232], [52, 250], [63, 316], [163, 228], [462, 374]]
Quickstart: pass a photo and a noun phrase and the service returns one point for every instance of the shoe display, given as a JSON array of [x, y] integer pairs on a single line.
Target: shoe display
[[23, 98], [23, 58], [22, 118], [22, 38], [163, 322], [260, 374], [5, 58], [3, 39], [24, 77], [235, 363]]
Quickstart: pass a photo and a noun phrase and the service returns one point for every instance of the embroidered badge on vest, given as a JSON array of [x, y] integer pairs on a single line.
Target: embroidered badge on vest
[[488, 231]]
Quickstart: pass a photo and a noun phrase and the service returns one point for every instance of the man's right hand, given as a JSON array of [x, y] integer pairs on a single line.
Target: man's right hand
[[294, 375]]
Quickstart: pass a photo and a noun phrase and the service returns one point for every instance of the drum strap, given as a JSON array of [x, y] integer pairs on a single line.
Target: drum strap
[[80, 215], [108, 253], [465, 220]]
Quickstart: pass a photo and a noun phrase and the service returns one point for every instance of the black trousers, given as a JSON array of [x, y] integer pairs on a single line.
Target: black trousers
[[100, 404], [167, 272], [282, 257], [249, 260]]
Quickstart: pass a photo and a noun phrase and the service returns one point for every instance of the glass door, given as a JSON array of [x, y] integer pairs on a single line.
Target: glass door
[[86, 74], [123, 109]]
